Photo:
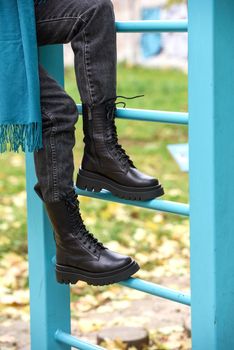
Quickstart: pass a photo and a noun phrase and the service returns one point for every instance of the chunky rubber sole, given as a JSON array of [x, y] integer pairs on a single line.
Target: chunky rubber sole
[[67, 274], [87, 180]]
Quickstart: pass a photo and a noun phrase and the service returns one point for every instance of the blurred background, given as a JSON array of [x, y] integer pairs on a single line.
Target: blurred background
[[154, 65], [161, 50]]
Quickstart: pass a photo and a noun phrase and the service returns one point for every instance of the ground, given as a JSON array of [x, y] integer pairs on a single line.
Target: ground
[[166, 321]]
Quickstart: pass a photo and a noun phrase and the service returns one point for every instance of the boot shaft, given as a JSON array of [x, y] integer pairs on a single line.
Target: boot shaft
[[79, 255], [70, 233], [102, 152]]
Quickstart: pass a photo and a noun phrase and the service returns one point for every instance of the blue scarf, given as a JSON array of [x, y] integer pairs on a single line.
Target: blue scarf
[[20, 112]]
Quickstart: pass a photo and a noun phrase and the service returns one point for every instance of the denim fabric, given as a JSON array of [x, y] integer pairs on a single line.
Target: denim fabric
[[90, 27]]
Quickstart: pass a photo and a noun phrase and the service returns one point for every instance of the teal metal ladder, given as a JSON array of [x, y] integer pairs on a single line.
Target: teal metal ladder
[[211, 152]]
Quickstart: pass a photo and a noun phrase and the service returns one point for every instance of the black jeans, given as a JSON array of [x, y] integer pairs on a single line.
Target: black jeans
[[90, 27]]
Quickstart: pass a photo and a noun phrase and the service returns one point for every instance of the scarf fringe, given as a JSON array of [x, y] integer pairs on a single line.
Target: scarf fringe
[[26, 136]]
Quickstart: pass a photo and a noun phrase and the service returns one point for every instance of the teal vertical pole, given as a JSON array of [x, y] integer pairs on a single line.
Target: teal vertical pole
[[211, 137], [49, 301]]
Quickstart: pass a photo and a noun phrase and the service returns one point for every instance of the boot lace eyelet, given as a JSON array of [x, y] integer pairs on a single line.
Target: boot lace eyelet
[[111, 131], [82, 234]]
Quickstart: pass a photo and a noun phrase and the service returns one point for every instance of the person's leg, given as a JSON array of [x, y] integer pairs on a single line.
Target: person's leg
[[54, 162], [79, 255], [90, 27], [78, 22]]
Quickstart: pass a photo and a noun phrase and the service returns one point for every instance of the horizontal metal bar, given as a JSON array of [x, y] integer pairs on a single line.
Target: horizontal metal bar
[[154, 204], [152, 26], [152, 115], [68, 339], [149, 115], [154, 289], [157, 290]]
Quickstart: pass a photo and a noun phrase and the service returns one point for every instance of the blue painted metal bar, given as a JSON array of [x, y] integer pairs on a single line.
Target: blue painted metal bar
[[49, 301], [149, 115], [155, 204], [157, 290], [211, 130], [152, 26], [154, 289], [68, 339]]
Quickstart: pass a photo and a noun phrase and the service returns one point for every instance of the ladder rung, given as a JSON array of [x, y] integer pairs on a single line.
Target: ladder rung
[[152, 116], [149, 115], [153, 288], [152, 26], [68, 339], [154, 204], [157, 290]]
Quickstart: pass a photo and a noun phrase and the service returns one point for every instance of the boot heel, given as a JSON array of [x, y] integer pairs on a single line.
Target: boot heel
[[65, 277], [85, 183]]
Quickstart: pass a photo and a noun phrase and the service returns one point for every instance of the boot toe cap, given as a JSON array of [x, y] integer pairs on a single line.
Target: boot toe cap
[[142, 180], [111, 260]]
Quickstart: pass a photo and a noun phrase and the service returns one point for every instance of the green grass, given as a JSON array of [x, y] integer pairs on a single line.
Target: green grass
[[146, 142]]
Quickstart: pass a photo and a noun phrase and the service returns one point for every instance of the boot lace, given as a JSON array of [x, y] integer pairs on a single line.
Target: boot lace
[[111, 131], [83, 234]]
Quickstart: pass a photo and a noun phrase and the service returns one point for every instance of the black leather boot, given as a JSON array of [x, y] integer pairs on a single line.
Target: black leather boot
[[79, 255], [105, 165]]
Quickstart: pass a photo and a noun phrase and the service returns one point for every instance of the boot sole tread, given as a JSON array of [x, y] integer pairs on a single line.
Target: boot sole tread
[[66, 275], [95, 183]]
